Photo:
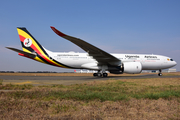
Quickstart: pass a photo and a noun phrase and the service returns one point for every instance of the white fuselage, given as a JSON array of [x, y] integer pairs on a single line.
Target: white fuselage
[[80, 60]]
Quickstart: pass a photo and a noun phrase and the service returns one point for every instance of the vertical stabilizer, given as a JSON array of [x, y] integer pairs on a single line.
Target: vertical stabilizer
[[31, 45], [28, 42]]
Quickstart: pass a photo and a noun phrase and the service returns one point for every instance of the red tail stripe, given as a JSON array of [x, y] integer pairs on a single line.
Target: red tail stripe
[[22, 38], [24, 55]]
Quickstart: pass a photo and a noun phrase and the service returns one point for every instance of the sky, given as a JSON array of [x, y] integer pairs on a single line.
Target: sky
[[118, 26]]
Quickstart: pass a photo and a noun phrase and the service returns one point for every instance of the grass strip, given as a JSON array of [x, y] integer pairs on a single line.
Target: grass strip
[[112, 90], [15, 87]]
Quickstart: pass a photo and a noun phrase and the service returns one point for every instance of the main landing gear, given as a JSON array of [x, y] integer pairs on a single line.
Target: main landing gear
[[160, 74], [100, 74]]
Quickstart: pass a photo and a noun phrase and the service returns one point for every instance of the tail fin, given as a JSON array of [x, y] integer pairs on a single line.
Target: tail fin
[[29, 43]]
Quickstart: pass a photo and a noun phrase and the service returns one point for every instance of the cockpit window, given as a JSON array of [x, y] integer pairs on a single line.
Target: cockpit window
[[171, 59]]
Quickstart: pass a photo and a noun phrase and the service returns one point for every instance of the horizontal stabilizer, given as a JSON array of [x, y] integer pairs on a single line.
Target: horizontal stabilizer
[[32, 55]]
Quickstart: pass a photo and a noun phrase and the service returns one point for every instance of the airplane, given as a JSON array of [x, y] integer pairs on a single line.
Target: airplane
[[95, 58]]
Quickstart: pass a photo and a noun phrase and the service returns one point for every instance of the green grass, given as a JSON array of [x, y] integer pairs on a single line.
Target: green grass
[[15, 87], [1, 82], [162, 94], [105, 91]]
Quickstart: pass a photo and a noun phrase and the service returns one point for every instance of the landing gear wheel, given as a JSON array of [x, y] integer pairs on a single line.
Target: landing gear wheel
[[95, 74], [160, 74], [99, 74], [105, 74]]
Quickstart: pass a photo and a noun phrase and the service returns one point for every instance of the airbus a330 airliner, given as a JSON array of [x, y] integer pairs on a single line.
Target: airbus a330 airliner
[[94, 59]]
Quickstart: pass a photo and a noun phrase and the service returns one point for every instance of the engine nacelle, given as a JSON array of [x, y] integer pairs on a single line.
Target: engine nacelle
[[132, 67]]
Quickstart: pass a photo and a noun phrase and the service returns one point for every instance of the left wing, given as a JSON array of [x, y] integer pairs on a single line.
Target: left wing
[[101, 56]]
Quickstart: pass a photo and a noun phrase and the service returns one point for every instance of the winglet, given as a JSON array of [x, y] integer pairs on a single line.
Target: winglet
[[57, 32]]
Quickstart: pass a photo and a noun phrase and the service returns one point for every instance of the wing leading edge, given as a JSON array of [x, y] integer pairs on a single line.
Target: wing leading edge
[[101, 56]]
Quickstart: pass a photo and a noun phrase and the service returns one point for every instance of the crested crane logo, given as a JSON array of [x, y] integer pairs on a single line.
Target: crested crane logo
[[27, 42]]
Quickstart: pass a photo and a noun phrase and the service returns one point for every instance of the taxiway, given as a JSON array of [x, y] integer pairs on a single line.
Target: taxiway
[[68, 80]]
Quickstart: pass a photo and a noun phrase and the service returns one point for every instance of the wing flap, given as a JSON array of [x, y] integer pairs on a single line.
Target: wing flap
[[101, 56]]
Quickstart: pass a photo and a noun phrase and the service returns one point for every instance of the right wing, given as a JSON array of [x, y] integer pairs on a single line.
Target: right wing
[[101, 56]]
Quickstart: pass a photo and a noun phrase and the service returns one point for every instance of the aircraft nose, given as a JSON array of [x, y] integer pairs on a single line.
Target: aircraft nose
[[175, 63]]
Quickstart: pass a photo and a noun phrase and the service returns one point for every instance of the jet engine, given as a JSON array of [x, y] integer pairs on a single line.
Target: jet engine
[[132, 67], [128, 67]]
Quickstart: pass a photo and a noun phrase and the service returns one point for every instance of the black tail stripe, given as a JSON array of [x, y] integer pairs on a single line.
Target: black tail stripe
[[43, 59]]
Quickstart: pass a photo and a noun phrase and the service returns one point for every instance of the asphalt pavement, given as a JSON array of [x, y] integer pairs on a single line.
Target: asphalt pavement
[[68, 80]]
